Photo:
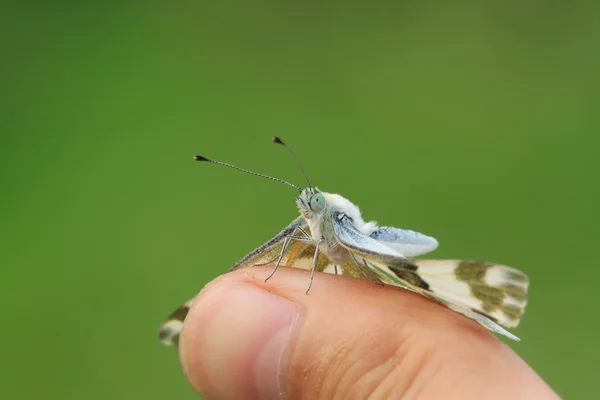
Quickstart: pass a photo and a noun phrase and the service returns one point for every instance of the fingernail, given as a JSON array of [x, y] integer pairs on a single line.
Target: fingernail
[[234, 339]]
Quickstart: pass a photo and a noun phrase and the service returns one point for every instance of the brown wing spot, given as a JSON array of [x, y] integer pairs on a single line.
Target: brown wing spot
[[468, 271], [322, 262], [307, 252], [512, 311], [517, 291], [405, 265], [473, 274], [491, 297], [409, 276], [165, 334], [179, 314]]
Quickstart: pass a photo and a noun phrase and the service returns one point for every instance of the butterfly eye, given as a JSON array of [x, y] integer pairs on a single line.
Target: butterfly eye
[[317, 202]]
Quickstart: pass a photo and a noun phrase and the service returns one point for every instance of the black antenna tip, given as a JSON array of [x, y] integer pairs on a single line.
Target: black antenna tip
[[200, 158], [277, 140]]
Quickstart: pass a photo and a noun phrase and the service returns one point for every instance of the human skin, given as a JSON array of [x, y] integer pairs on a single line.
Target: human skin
[[346, 339]]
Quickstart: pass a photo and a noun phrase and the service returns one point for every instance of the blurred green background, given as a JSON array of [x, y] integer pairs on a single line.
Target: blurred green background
[[474, 122]]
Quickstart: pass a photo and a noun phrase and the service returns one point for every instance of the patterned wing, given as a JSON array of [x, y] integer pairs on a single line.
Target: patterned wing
[[297, 254], [491, 294], [488, 293]]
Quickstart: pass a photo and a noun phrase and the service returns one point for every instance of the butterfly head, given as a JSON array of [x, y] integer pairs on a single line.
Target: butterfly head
[[311, 202]]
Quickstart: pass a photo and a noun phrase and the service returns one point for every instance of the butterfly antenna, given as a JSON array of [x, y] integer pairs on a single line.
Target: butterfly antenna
[[200, 158], [279, 141]]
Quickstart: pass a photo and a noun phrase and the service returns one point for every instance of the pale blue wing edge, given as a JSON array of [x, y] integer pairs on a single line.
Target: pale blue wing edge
[[352, 239], [407, 242]]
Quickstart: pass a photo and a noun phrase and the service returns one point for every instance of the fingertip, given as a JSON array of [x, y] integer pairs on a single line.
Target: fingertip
[[233, 339], [245, 339]]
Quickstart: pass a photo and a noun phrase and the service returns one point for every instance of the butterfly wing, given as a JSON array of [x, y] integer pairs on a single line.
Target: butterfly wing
[[296, 254], [491, 294], [170, 329], [488, 293], [271, 250], [407, 242]]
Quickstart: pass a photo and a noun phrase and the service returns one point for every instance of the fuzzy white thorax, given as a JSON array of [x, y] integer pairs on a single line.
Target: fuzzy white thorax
[[351, 210], [319, 219]]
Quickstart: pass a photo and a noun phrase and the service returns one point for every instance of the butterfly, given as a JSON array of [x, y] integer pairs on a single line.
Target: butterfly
[[331, 236]]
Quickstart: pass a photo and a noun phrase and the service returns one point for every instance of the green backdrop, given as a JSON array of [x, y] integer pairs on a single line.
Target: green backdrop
[[475, 122]]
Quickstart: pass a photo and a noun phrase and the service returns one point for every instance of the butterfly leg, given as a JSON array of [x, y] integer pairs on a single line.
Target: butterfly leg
[[314, 267], [304, 232], [279, 257], [285, 243]]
